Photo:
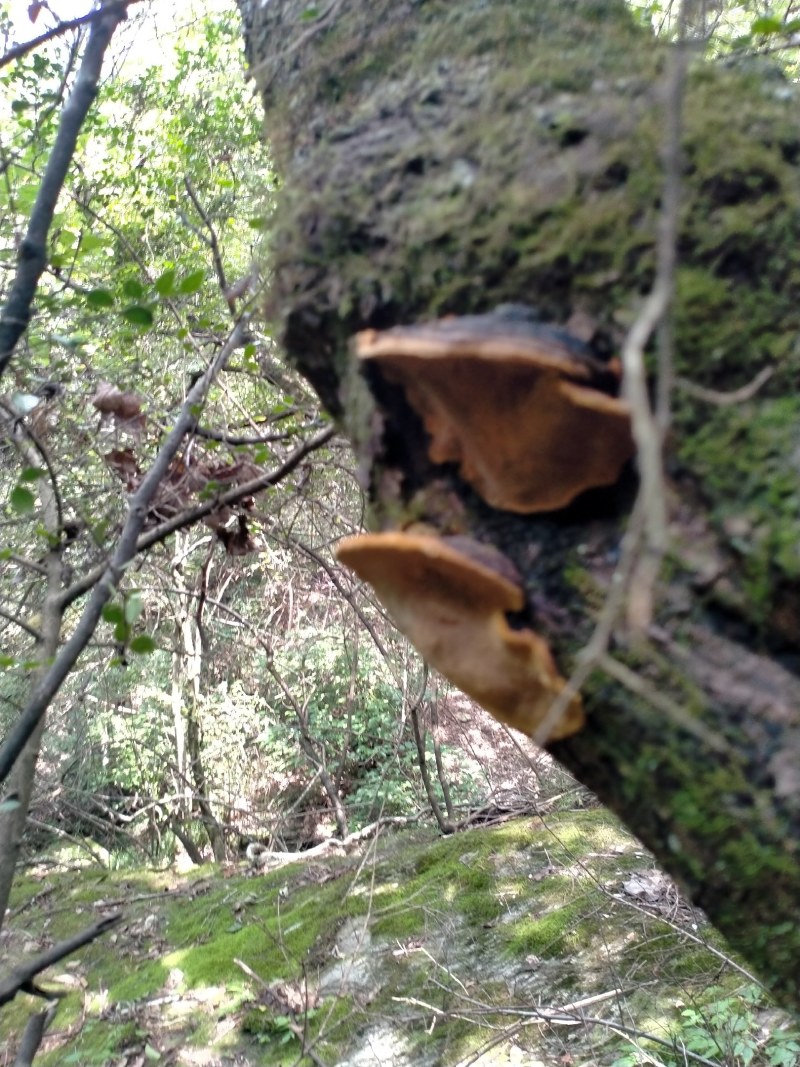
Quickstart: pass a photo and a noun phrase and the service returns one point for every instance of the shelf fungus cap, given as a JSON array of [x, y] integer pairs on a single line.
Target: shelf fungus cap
[[452, 606], [525, 413]]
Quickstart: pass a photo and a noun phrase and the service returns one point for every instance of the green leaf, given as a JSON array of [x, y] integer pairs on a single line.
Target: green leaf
[[165, 283], [100, 298], [26, 197], [767, 24], [151, 1053], [192, 282], [22, 500], [113, 613], [310, 14], [122, 631], [138, 315], [49, 537], [32, 474], [143, 645], [90, 242], [134, 607], [67, 239], [133, 288]]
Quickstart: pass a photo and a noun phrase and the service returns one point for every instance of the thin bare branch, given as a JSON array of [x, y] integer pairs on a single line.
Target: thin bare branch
[[189, 518], [212, 242], [125, 551], [237, 442], [731, 399], [646, 538], [650, 426], [28, 564], [15, 620], [20, 50], [20, 979]]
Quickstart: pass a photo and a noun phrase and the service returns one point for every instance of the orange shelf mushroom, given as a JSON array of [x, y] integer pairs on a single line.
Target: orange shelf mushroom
[[518, 406], [452, 607]]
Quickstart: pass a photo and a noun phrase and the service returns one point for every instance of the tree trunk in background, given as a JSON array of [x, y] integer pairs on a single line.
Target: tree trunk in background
[[211, 825], [442, 157], [187, 684], [17, 796]]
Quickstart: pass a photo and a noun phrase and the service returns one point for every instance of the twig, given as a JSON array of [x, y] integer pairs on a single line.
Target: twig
[[676, 715], [332, 574], [20, 50], [599, 641], [267, 439], [63, 835], [729, 961], [673, 1046], [724, 400], [628, 903], [211, 242], [445, 824], [646, 538], [16, 621], [20, 979], [28, 564], [649, 427], [554, 1016]]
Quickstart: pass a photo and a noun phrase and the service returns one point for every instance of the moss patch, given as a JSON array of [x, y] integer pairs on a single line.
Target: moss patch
[[500, 916], [748, 457]]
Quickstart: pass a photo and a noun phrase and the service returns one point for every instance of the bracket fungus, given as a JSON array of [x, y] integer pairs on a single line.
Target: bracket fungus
[[452, 607], [526, 411]]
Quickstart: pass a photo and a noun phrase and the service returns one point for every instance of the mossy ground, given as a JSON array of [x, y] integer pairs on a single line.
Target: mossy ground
[[457, 937]]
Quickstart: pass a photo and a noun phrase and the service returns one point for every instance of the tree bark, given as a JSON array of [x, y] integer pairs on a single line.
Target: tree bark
[[442, 158], [14, 812]]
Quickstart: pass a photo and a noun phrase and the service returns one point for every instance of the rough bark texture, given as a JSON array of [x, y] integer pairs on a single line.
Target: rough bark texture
[[447, 158]]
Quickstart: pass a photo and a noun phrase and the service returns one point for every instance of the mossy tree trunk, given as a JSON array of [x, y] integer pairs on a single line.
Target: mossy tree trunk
[[445, 158]]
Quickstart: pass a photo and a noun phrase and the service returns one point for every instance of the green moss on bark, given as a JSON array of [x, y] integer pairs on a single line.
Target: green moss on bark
[[446, 158]]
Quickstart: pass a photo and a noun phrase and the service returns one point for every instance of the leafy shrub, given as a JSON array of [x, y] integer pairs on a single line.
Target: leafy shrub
[[349, 707], [729, 1032]]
